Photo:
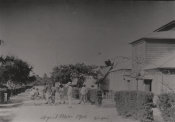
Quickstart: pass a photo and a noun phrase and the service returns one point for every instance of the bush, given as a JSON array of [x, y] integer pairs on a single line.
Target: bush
[[135, 104], [166, 104]]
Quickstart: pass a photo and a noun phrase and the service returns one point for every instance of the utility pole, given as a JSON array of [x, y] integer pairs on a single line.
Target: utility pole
[[137, 87], [137, 81]]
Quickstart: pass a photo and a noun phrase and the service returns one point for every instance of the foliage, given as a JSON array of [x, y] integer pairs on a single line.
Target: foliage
[[135, 104], [166, 104], [38, 80], [65, 73], [46, 79], [15, 69], [111, 64]]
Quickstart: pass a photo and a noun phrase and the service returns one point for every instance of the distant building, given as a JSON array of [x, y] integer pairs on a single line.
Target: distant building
[[119, 77]]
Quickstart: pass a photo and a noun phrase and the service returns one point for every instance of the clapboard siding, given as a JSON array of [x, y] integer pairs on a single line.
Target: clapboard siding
[[155, 51], [151, 51]]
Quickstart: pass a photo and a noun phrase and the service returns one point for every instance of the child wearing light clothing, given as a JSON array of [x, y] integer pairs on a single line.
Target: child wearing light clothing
[[69, 94], [83, 92]]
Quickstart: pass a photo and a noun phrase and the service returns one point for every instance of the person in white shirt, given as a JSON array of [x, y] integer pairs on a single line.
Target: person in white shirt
[[57, 95], [83, 94], [32, 93], [69, 94], [36, 94], [61, 94], [48, 94]]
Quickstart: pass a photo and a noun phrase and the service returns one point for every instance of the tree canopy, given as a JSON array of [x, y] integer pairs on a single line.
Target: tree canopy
[[65, 73], [16, 70]]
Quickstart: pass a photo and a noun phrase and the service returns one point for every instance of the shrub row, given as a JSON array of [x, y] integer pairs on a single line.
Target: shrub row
[[166, 104], [135, 104], [19, 90]]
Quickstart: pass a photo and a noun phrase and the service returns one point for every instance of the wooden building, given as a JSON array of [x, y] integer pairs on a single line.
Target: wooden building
[[119, 78], [153, 61]]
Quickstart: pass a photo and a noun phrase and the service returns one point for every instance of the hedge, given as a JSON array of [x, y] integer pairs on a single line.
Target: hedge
[[135, 105], [166, 104], [19, 90]]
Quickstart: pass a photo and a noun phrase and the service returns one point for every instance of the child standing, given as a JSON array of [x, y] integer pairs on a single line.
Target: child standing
[[57, 95], [83, 94], [61, 93], [48, 95], [99, 97], [69, 94]]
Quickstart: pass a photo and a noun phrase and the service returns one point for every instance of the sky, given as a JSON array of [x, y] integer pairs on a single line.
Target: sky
[[47, 34]]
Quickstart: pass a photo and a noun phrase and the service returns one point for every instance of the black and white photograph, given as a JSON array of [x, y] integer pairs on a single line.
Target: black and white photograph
[[87, 61]]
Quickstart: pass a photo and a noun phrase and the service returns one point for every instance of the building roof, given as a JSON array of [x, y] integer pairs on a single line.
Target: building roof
[[165, 32], [166, 27], [123, 66], [161, 35]]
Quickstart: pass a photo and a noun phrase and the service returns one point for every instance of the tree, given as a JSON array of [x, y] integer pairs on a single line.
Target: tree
[[46, 79], [66, 73], [16, 70], [110, 64]]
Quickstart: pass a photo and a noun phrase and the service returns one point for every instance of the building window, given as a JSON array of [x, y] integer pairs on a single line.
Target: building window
[[128, 84], [148, 84]]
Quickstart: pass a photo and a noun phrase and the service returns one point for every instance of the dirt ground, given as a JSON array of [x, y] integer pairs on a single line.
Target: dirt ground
[[38, 111]]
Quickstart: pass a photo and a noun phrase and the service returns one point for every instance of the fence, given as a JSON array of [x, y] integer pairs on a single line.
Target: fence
[[109, 95]]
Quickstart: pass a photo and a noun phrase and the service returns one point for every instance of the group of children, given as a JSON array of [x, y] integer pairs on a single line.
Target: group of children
[[58, 94], [61, 94], [54, 94], [34, 92]]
